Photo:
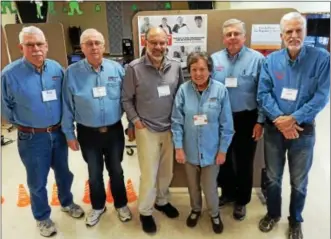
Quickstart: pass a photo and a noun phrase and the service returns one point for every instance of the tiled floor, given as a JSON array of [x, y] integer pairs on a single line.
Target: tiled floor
[[17, 222]]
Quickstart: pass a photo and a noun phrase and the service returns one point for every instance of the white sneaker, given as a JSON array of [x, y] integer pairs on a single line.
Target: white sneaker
[[46, 228], [74, 210], [93, 216], [124, 214]]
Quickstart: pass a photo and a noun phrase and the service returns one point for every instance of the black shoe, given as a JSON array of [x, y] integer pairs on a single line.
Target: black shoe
[[295, 231], [148, 224], [192, 219], [239, 212], [223, 200], [267, 223], [168, 210], [217, 224]]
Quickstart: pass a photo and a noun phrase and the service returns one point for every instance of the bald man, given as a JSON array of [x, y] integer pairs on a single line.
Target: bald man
[[149, 88]]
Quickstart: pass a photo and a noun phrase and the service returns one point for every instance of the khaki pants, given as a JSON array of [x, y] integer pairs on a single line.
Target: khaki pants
[[156, 158], [207, 178]]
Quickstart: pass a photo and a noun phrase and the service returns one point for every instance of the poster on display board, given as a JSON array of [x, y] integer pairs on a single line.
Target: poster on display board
[[186, 33]]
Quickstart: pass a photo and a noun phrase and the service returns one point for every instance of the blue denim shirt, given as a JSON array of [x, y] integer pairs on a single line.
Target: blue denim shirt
[[201, 143], [309, 74], [22, 86], [245, 66], [81, 106]]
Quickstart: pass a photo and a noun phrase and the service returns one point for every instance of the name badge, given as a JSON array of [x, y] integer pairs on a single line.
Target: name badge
[[99, 91], [200, 119], [289, 94], [231, 82], [49, 95], [163, 90]]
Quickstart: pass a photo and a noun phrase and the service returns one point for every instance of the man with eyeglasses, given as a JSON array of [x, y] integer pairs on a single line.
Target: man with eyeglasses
[[238, 67], [31, 100], [148, 93], [91, 98]]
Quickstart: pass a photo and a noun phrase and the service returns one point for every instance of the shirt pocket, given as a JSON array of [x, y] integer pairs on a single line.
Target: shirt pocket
[[114, 90], [247, 83], [213, 108]]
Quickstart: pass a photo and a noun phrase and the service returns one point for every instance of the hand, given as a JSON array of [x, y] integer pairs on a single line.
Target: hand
[[73, 144], [292, 133], [220, 159], [180, 156], [257, 132], [284, 123], [139, 125], [131, 134]]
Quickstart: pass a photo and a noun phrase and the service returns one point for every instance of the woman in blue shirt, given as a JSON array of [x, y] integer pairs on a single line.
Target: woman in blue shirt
[[202, 128]]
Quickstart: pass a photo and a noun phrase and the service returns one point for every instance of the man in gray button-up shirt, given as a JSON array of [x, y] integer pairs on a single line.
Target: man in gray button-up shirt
[[149, 89]]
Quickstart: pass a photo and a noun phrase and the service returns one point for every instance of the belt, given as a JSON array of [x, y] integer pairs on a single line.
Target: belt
[[39, 130]]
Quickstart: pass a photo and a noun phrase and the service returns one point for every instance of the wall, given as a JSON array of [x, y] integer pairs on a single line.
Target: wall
[[89, 19], [300, 6]]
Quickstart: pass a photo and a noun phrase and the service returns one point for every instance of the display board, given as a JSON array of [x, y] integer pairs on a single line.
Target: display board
[[216, 18], [54, 35]]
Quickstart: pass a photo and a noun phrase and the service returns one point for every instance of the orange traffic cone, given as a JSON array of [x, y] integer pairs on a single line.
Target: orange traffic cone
[[130, 192], [86, 198], [2, 200], [109, 197], [55, 198], [23, 197]]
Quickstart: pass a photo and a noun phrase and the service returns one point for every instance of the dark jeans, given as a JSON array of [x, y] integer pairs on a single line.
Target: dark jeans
[[300, 156], [236, 174], [99, 149], [39, 152]]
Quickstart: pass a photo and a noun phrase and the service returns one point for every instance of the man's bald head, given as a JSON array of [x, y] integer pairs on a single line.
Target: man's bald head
[[155, 31]]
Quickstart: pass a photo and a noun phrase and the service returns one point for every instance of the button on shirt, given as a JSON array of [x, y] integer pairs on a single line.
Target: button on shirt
[[245, 66], [309, 74], [79, 102], [201, 143], [22, 97]]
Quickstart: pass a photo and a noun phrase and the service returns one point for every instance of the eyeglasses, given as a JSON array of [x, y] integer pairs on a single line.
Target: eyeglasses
[[155, 43], [32, 45], [91, 43]]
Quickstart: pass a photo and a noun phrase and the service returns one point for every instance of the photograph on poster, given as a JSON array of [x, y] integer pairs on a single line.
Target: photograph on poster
[[186, 33]]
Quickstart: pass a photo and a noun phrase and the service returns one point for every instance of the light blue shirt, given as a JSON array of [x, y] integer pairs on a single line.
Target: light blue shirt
[[22, 99], [201, 143], [79, 102], [309, 74], [245, 66]]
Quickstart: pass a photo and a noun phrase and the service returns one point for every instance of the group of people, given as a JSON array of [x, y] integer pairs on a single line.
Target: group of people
[[211, 123]]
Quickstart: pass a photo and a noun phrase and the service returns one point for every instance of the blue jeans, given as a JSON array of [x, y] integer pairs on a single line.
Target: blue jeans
[[300, 156], [39, 152]]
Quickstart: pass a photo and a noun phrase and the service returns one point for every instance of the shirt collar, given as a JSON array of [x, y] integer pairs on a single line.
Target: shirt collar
[[33, 67], [90, 67], [238, 55], [301, 55]]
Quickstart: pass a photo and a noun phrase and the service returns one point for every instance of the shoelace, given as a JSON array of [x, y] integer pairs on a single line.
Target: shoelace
[[216, 220], [124, 210], [46, 224]]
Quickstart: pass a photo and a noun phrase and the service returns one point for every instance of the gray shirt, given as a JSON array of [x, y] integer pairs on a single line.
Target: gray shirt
[[141, 89]]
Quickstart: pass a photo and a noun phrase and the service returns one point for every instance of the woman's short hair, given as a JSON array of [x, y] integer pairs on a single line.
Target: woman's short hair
[[194, 57]]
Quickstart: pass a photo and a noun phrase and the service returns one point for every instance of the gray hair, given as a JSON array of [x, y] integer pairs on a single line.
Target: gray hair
[[234, 21], [89, 32], [291, 16], [30, 31], [194, 57]]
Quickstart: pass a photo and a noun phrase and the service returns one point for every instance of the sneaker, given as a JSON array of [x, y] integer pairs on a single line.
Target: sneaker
[[239, 212], [295, 231], [124, 214], [94, 216], [223, 201], [46, 228], [74, 210], [267, 223], [148, 224], [169, 210], [217, 224], [193, 218]]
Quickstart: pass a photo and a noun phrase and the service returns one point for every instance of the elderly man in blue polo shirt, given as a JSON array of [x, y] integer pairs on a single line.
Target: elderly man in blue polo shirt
[[31, 100], [238, 67], [294, 87], [91, 98]]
